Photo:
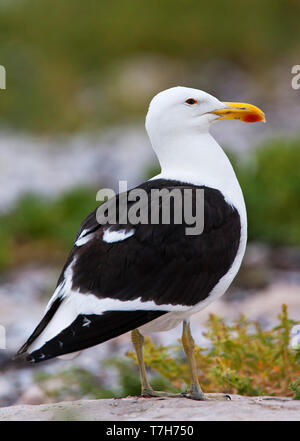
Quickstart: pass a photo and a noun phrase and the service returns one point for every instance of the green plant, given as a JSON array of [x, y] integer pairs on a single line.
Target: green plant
[[240, 358], [73, 383]]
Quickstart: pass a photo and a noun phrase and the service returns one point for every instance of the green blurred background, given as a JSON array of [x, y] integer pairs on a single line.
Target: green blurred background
[[67, 61]]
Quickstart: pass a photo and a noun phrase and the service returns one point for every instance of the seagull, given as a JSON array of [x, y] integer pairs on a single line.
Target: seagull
[[123, 275]]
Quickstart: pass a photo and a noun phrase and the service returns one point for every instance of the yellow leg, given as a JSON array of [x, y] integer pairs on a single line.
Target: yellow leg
[[195, 391], [138, 341]]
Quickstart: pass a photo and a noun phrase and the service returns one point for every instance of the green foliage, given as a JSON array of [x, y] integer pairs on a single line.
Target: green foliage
[[43, 229], [77, 383], [73, 383], [61, 65], [295, 387], [270, 180], [6, 258], [240, 358]]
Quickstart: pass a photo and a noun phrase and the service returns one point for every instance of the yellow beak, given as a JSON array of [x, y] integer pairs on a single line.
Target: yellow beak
[[242, 111]]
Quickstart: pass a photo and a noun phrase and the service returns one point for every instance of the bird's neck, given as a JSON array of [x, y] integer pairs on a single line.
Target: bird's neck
[[198, 159]]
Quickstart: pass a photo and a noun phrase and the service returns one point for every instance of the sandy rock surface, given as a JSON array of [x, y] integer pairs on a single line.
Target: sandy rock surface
[[157, 409]]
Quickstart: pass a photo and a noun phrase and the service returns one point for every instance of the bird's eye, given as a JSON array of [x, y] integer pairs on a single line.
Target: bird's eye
[[191, 101]]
